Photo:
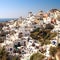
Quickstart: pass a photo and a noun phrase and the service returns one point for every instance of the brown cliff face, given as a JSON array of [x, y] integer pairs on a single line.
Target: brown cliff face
[[58, 54]]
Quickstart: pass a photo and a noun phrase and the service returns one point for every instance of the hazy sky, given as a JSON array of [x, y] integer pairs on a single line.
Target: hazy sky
[[17, 8]]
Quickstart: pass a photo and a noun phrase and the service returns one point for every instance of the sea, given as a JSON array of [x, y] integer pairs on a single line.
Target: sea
[[6, 19]]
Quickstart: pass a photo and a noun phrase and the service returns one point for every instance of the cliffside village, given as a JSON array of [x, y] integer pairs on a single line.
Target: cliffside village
[[18, 41]]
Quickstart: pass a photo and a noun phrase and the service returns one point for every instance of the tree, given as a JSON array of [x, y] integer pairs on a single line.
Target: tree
[[15, 58], [37, 56], [57, 55], [53, 51], [49, 26], [3, 54], [43, 35]]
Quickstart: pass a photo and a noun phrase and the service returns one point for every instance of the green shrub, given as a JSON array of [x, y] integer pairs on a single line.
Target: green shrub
[[37, 56]]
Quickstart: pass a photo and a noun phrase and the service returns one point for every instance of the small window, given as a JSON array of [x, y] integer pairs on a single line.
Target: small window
[[10, 49]]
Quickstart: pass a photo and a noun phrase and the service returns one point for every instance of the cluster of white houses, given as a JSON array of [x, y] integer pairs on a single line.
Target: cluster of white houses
[[18, 40]]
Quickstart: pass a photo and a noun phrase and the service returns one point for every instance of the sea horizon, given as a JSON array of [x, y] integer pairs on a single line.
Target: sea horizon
[[6, 19]]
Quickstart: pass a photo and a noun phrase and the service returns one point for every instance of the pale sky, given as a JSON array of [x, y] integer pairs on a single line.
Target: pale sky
[[17, 8]]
